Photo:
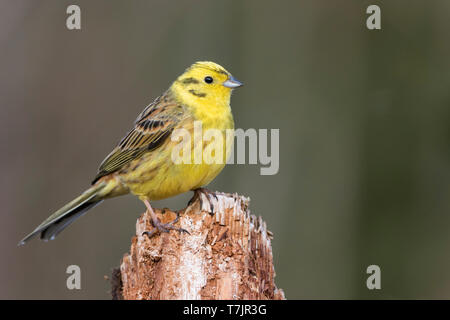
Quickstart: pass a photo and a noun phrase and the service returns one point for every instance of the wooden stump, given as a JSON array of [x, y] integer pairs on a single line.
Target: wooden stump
[[227, 255]]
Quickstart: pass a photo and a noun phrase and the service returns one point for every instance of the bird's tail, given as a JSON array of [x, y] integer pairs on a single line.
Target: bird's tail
[[58, 221]]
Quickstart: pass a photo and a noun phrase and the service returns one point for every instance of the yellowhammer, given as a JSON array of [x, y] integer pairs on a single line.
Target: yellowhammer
[[142, 163]]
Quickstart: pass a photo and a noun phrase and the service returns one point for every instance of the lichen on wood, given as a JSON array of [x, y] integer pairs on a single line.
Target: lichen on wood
[[226, 255]]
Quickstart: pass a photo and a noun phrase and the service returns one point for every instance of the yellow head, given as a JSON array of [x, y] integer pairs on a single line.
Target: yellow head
[[205, 83]]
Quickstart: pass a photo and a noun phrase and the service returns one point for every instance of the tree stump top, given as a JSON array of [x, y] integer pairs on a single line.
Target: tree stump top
[[226, 255]]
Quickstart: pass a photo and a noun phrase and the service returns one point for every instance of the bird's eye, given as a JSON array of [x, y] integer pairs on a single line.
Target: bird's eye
[[208, 79]]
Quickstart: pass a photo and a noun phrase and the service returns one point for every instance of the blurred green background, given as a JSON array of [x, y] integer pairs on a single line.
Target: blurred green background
[[364, 123]]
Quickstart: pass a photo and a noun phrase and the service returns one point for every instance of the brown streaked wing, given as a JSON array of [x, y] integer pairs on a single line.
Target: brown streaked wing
[[152, 127]]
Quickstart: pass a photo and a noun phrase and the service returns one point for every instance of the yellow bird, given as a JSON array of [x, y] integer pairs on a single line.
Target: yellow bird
[[143, 162]]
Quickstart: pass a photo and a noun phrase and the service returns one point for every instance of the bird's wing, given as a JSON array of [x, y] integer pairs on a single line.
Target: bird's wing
[[151, 128]]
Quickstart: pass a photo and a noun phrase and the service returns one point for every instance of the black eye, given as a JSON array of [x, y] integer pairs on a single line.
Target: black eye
[[208, 79]]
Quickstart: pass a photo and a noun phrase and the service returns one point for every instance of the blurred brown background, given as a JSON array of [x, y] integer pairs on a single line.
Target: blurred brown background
[[364, 134]]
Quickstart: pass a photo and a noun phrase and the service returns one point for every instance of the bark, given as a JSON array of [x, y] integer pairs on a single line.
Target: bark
[[227, 255]]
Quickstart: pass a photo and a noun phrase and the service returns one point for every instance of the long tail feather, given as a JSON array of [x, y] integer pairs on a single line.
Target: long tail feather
[[62, 218]]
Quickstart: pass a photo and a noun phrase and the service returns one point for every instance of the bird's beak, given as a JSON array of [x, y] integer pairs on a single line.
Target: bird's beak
[[232, 83]]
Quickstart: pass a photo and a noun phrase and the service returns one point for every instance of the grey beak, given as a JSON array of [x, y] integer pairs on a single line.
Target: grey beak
[[232, 83]]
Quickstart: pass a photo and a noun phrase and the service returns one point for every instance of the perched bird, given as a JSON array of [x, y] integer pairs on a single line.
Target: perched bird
[[142, 162]]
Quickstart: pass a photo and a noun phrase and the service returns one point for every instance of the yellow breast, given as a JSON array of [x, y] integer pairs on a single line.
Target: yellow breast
[[155, 176]]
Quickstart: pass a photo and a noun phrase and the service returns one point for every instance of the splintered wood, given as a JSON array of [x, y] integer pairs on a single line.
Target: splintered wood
[[227, 255]]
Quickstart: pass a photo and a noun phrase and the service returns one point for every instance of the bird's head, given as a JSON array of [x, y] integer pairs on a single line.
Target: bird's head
[[205, 82]]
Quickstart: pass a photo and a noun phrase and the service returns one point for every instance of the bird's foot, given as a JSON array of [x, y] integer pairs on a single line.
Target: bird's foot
[[209, 195], [164, 227]]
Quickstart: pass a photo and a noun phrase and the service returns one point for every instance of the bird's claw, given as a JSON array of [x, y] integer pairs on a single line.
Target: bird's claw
[[164, 227]]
